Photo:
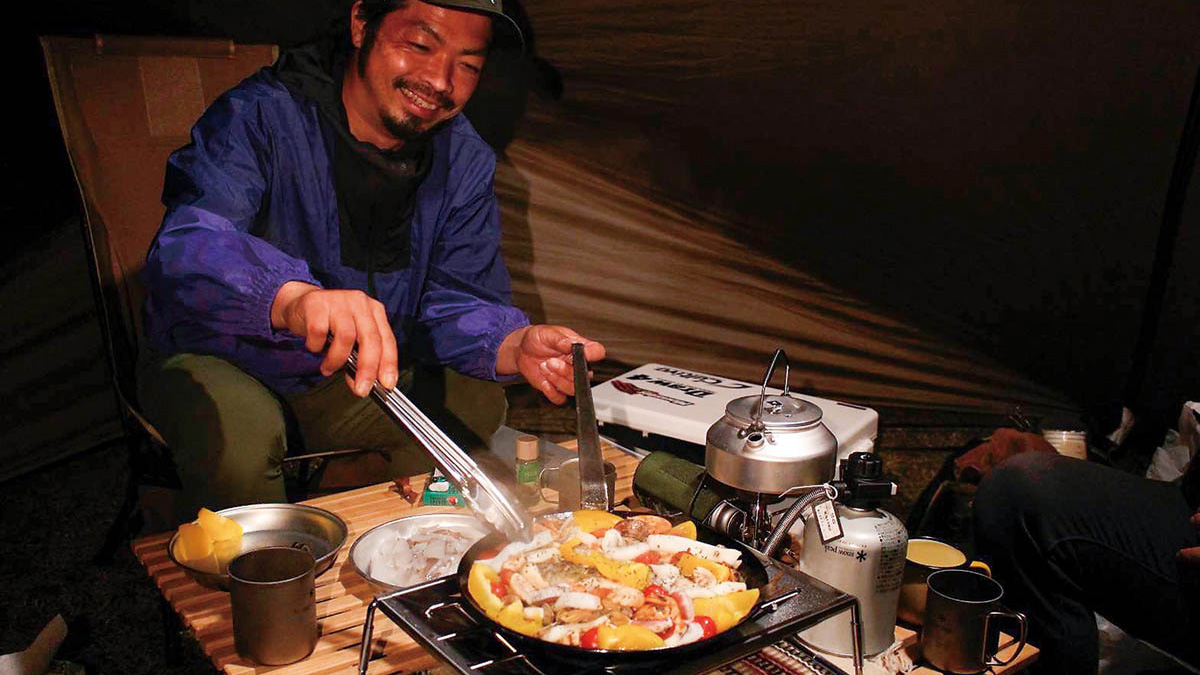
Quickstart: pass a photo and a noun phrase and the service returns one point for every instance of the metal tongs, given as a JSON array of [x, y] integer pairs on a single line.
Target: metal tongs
[[488, 499], [593, 489]]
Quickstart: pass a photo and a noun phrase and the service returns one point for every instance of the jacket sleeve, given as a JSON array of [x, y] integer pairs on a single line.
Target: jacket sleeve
[[205, 273], [466, 309]]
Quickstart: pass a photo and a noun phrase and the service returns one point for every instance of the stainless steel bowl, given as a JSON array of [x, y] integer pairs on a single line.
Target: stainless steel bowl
[[368, 544], [317, 531]]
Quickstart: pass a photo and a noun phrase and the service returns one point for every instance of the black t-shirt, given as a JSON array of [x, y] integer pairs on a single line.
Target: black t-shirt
[[376, 189]]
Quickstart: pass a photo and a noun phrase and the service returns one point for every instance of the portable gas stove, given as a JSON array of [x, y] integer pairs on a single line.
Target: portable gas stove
[[437, 616]]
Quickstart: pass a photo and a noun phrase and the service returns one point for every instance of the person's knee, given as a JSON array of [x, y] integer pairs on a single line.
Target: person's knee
[[226, 430]]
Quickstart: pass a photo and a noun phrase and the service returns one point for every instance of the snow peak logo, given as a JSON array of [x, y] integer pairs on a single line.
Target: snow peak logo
[[702, 379], [688, 389], [859, 555]]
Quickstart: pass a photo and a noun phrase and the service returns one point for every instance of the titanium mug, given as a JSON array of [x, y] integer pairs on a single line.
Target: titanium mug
[[274, 605], [926, 555], [564, 479], [959, 611]]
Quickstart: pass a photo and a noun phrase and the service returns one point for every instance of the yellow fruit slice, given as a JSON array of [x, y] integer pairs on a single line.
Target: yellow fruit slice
[[688, 563], [226, 550], [627, 637], [685, 529], [194, 548], [479, 585], [590, 520], [217, 526], [513, 617], [193, 543]]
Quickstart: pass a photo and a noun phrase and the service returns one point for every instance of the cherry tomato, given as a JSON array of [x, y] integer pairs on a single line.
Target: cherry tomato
[[709, 626], [675, 558], [667, 633], [654, 591], [590, 639], [499, 589], [649, 557], [506, 576]]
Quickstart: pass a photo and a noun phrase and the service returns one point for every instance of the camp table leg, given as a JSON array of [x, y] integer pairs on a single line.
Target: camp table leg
[[364, 654]]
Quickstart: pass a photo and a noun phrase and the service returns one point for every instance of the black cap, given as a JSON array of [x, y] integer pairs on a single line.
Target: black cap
[[506, 31]]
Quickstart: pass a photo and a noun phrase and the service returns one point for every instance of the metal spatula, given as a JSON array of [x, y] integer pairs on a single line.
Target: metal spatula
[[489, 500], [593, 490]]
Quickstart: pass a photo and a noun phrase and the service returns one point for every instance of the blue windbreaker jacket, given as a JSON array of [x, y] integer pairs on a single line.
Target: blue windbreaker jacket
[[251, 205]]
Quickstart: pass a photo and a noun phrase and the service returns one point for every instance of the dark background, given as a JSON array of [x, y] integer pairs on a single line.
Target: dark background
[[994, 172]]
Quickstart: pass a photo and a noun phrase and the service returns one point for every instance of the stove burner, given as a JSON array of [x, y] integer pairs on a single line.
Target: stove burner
[[437, 617]]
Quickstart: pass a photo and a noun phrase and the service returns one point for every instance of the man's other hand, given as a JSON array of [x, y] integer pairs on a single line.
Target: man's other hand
[[1190, 557], [542, 354], [344, 318]]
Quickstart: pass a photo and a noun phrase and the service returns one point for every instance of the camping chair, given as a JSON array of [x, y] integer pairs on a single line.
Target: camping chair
[[124, 104]]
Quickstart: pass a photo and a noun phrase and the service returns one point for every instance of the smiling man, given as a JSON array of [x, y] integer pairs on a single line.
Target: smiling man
[[336, 200]]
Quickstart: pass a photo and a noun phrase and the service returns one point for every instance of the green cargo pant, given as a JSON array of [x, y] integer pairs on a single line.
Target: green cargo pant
[[228, 433]]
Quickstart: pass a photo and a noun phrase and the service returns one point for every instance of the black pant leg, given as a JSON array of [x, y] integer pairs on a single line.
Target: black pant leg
[[1069, 538]]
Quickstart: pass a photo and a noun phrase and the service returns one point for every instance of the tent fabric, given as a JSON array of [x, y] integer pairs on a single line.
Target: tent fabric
[[124, 104], [663, 284], [927, 203]]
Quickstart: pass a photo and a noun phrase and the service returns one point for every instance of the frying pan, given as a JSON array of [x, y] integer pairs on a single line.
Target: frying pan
[[752, 570]]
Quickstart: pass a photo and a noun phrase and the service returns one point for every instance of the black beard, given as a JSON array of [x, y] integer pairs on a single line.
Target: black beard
[[408, 127], [404, 128]]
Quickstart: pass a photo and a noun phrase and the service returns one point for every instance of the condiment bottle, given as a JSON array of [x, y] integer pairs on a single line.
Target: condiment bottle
[[529, 469]]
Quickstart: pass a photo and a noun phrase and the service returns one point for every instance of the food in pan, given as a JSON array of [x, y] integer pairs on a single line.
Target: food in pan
[[599, 581]]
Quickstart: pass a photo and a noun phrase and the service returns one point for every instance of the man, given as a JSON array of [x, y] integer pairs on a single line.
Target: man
[[1069, 539], [336, 199]]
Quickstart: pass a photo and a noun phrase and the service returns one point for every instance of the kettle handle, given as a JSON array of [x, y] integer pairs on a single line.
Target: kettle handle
[[787, 386]]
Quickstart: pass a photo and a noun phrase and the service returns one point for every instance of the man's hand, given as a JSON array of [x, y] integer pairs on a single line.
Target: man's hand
[[350, 317], [542, 354], [1190, 557]]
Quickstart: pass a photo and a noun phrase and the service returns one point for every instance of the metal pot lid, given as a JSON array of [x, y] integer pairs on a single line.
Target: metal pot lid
[[778, 412]]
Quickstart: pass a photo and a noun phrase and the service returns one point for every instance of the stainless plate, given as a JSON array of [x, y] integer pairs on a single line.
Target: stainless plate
[[317, 531], [364, 547]]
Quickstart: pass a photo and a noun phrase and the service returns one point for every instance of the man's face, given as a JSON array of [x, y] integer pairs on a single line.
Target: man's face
[[421, 69]]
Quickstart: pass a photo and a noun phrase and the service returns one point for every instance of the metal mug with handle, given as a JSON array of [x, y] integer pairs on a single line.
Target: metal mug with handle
[[960, 610], [926, 555], [564, 479]]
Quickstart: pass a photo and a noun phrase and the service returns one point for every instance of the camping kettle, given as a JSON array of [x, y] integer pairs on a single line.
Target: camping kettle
[[867, 561], [768, 444]]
